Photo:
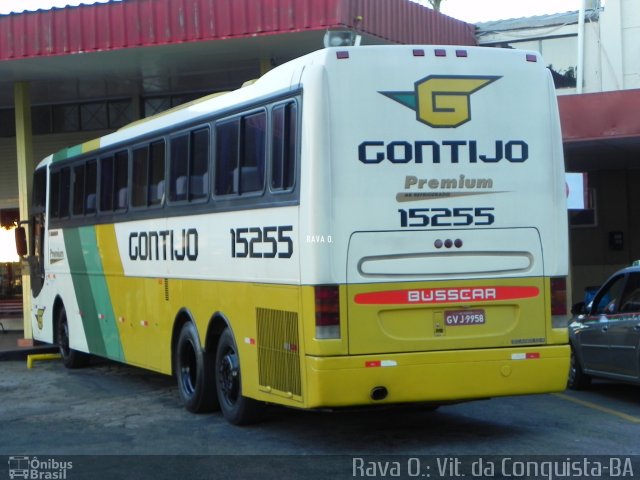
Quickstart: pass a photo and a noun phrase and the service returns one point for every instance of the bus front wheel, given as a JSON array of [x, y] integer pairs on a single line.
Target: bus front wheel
[[194, 372], [70, 358], [236, 408]]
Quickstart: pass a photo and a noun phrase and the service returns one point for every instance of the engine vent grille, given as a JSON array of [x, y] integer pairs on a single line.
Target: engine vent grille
[[278, 350]]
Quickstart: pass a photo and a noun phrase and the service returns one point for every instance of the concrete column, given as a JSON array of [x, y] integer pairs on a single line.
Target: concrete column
[[24, 149]]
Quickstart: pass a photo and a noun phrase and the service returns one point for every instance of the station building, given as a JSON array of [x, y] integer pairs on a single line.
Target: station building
[[68, 75], [71, 74], [593, 56]]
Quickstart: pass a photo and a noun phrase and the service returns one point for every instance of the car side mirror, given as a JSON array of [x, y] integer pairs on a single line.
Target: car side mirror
[[579, 308], [21, 241]]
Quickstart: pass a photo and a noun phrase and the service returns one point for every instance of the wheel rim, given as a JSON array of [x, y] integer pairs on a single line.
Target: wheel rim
[[188, 369], [229, 376]]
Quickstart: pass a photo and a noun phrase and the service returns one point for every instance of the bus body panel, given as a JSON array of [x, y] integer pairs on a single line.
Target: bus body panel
[[123, 285], [433, 224], [438, 377], [479, 295]]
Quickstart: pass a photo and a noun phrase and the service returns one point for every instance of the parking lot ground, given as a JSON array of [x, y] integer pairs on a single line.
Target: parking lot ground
[[109, 408], [615, 410]]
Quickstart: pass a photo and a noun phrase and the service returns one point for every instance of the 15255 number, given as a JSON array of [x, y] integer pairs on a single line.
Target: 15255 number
[[262, 242], [446, 217]]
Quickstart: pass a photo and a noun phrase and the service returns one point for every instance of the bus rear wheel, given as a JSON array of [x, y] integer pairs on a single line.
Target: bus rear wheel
[[70, 358], [194, 372], [236, 408]]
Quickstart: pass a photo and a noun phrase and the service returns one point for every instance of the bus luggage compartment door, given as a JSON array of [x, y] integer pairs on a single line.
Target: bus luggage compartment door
[[414, 291]]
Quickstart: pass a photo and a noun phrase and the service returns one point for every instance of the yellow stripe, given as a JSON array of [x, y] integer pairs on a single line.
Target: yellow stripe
[[594, 406], [90, 145]]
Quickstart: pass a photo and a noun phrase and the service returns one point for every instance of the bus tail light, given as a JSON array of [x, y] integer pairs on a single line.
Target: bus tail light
[[559, 296], [327, 311]]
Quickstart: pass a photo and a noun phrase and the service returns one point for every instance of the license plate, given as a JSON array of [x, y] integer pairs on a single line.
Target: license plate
[[454, 318]]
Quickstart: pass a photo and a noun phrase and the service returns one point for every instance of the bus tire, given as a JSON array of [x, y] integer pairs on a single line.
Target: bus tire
[[578, 380], [236, 408], [70, 358], [194, 372]]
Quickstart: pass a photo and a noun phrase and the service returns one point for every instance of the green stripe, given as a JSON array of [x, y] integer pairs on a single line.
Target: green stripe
[[67, 153], [92, 292]]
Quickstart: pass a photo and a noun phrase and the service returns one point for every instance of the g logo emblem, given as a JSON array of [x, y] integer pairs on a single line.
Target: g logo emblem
[[442, 101], [39, 320]]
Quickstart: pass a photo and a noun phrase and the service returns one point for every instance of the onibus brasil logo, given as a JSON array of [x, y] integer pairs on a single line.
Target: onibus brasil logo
[[38, 469], [442, 101]]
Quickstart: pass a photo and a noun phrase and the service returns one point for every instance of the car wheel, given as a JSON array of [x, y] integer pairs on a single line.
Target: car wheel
[[577, 378], [194, 372], [236, 408], [70, 358]]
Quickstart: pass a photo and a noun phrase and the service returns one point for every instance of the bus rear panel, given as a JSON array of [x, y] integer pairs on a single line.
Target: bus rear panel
[[441, 182]]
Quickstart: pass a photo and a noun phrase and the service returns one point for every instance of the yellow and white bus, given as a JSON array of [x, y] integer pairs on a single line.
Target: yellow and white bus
[[360, 226]]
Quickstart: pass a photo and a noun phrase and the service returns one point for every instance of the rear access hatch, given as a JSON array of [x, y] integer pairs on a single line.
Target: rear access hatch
[[461, 289]]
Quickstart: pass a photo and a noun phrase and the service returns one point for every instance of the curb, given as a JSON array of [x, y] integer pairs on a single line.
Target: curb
[[21, 353]]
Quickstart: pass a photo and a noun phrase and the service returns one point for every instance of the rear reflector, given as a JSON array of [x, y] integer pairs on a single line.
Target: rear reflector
[[559, 296], [327, 298]]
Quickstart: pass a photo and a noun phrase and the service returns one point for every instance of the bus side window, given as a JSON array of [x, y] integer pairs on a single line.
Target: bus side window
[[227, 149], [140, 177], [189, 166], [199, 165], [54, 195], [121, 181], [64, 192], [90, 187], [84, 188], [178, 167], [284, 146], [241, 154], [78, 189], [148, 175], [39, 189], [106, 184], [252, 161], [156, 173]]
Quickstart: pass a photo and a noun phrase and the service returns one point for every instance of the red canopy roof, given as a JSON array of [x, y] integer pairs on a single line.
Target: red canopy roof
[[138, 23]]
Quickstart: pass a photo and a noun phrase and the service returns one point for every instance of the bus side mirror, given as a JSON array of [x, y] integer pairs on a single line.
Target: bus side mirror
[[21, 241]]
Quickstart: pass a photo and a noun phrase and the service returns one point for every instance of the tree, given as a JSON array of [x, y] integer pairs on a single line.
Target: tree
[[435, 4]]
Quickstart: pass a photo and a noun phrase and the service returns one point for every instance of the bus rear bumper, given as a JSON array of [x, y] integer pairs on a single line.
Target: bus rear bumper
[[435, 376]]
